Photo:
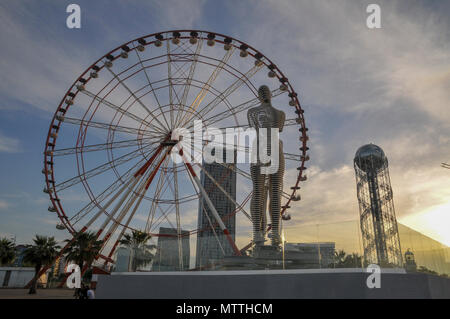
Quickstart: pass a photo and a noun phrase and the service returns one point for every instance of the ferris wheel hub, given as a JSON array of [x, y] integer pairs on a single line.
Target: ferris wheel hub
[[169, 143]]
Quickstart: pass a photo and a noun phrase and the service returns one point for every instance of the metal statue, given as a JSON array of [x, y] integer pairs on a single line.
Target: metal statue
[[266, 116]]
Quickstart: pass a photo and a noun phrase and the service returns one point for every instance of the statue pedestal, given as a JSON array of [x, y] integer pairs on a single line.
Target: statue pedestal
[[263, 257], [267, 252]]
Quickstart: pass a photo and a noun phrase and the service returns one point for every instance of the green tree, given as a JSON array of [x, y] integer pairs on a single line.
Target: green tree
[[7, 251], [43, 252], [141, 253], [84, 248]]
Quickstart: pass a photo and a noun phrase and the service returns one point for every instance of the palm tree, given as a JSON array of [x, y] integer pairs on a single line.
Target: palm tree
[[339, 256], [7, 251], [43, 252], [342, 260], [83, 249], [141, 254]]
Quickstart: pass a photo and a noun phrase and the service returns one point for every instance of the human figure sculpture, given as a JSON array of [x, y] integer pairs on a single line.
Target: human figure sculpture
[[266, 117]]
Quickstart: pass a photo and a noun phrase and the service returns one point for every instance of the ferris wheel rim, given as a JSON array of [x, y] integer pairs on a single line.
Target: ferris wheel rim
[[48, 159]]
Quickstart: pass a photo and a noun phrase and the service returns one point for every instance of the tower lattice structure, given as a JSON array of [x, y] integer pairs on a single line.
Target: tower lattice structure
[[376, 206]]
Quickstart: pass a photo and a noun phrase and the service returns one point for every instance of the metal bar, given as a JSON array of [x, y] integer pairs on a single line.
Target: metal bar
[[201, 95], [210, 205], [136, 98]]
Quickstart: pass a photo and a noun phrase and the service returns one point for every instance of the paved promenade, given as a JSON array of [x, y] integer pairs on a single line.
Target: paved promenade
[[41, 294]]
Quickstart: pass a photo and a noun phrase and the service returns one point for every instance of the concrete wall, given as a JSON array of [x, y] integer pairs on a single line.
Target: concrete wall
[[272, 284], [19, 276]]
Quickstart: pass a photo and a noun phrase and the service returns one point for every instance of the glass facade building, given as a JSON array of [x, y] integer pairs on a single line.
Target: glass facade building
[[172, 252], [212, 244]]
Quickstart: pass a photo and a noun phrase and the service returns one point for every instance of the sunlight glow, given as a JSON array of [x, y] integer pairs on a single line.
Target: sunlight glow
[[434, 222]]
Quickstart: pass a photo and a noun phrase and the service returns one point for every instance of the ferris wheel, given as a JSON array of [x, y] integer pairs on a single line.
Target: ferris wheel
[[109, 160]]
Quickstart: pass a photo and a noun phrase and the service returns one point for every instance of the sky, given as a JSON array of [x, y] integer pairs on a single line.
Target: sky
[[388, 86]]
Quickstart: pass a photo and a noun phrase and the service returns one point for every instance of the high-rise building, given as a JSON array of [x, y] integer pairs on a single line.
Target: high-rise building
[[20, 253], [122, 259], [167, 257], [212, 244], [59, 266], [376, 206]]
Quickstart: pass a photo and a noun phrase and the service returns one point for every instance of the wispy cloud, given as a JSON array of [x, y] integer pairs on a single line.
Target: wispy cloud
[[387, 86], [9, 144], [4, 204]]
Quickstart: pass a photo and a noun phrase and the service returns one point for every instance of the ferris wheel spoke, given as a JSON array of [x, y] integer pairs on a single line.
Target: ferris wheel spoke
[[123, 111], [164, 129], [169, 79], [165, 215], [158, 189], [247, 150], [125, 227], [124, 199], [152, 224], [103, 208], [101, 147], [237, 109], [171, 86], [244, 173], [177, 215], [230, 198], [189, 79], [212, 226], [116, 222], [132, 214], [104, 194], [149, 82], [97, 170], [210, 204], [152, 176], [136, 177], [288, 122], [201, 95], [229, 90], [249, 177], [105, 126]]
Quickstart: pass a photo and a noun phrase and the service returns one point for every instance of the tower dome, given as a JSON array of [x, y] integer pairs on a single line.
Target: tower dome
[[370, 157]]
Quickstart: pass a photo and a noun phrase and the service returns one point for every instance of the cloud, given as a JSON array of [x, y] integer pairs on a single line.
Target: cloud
[[39, 67], [9, 144], [172, 14], [387, 86], [338, 62], [4, 204]]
